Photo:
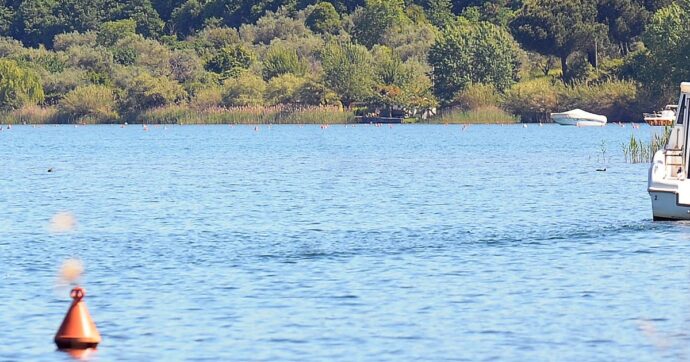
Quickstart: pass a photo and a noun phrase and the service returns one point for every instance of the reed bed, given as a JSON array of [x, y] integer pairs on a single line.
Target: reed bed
[[639, 151], [31, 115], [181, 114], [481, 115]]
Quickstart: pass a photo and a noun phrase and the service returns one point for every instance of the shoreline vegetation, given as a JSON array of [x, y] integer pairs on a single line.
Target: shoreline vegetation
[[311, 62]]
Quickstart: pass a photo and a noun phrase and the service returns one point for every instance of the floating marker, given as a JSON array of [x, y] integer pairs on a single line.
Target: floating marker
[[78, 331]]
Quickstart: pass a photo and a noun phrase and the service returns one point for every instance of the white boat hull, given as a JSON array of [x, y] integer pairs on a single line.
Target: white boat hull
[[665, 206], [579, 118], [578, 122]]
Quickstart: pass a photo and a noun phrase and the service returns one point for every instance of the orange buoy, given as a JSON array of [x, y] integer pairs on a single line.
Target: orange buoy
[[78, 331]]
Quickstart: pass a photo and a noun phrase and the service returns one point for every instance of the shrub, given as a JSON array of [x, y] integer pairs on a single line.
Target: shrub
[[65, 41], [113, 31], [31, 114], [207, 98], [19, 86], [92, 103], [615, 99], [245, 90], [323, 19], [283, 89], [281, 60], [481, 115], [533, 100], [231, 61], [144, 91], [476, 96], [57, 85]]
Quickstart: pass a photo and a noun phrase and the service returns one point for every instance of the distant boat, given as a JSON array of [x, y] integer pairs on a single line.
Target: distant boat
[[578, 117], [663, 118]]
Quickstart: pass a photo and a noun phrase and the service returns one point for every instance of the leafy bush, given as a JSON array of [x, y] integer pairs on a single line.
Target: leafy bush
[[207, 98], [19, 86], [283, 89], [484, 114], [231, 61], [477, 96], [460, 57], [143, 91], [323, 19], [245, 90], [91, 104], [533, 100], [282, 60]]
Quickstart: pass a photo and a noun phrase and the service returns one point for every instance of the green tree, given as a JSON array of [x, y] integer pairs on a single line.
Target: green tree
[[245, 90], [35, 23], [149, 23], [230, 61], [323, 19], [94, 102], [557, 27], [188, 17], [467, 54], [625, 20], [282, 60], [18, 86], [143, 91], [663, 65], [348, 71], [440, 12], [283, 89], [404, 85], [375, 18], [113, 31]]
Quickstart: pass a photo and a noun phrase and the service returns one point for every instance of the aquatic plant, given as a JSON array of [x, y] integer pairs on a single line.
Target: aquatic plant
[[639, 151], [486, 114], [279, 114]]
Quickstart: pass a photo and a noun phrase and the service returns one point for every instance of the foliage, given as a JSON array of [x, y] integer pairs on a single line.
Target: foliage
[[376, 18], [94, 103], [464, 55], [19, 86], [477, 96], [230, 61], [533, 100], [245, 90], [142, 91], [113, 31], [282, 60], [557, 27], [484, 114], [283, 89], [662, 66], [180, 114], [323, 19], [348, 71]]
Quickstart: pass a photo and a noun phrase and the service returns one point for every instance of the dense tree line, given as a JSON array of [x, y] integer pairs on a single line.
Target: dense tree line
[[110, 60]]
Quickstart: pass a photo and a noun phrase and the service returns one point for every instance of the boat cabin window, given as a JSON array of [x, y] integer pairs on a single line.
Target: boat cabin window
[[681, 112]]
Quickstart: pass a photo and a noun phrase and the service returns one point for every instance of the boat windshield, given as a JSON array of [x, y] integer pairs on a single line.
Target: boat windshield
[[681, 112]]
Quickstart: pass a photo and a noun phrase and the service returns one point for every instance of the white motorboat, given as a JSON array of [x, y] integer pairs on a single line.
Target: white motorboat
[[579, 118], [668, 183], [663, 118]]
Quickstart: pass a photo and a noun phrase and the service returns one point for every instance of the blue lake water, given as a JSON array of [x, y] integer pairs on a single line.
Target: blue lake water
[[341, 244]]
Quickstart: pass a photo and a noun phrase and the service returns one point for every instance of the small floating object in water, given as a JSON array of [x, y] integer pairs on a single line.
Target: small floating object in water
[[77, 331], [601, 169], [50, 169], [524, 126]]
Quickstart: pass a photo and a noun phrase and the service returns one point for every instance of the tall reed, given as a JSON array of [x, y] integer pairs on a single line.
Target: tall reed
[[182, 114], [486, 114], [639, 151]]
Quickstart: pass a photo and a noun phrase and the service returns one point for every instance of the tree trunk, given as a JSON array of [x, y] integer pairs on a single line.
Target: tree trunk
[[564, 67]]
